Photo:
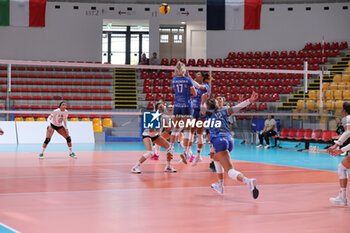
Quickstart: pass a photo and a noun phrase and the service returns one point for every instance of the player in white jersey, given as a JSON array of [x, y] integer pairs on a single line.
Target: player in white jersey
[[58, 121], [153, 136], [344, 166]]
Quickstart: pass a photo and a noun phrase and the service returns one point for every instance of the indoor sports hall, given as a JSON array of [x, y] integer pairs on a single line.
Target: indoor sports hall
[[179, 116]]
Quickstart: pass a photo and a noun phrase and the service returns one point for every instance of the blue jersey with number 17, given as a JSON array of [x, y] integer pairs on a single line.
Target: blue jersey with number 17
[[182, 87]]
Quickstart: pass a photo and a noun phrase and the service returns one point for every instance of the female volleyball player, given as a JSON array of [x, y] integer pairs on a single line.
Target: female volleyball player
[[1, 132], [202, 79], [58, 121], [184, 90], [344, 166], [222, 141], [153, 136]]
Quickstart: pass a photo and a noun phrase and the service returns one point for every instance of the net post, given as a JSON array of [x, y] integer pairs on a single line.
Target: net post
[[305, 82], [8, 89], [321, 94]]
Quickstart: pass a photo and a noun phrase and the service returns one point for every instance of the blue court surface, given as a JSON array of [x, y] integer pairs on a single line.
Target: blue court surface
[[242, 152]]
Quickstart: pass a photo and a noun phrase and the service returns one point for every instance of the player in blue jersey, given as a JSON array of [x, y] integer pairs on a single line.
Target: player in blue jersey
[[221, 138], [184, 91], [203, 79]]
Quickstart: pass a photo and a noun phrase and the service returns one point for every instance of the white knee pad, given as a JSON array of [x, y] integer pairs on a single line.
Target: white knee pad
[[233, 174], [200, 138], [187, 134], [148, 154], [342, 172], [218, 167], [175, 131]]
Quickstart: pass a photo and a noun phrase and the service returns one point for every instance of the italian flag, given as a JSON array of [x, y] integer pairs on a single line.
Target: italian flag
[[22, 13]]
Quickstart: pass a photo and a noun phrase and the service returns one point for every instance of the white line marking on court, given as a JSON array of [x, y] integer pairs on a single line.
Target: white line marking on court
[[148, 189], [145, 173], [9, 228]]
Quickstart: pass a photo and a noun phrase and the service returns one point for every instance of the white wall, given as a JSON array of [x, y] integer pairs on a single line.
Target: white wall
[[196, 40], [77, 34], [284, 30]]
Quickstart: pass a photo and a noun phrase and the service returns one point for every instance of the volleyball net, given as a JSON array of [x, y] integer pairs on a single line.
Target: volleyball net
[[101, 93]]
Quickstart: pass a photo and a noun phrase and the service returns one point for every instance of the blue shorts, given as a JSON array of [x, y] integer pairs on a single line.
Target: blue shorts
[[196, 114], [222, 144], [184, 111]]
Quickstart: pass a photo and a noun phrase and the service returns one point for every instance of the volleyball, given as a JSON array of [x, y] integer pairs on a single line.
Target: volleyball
[[164, 8]]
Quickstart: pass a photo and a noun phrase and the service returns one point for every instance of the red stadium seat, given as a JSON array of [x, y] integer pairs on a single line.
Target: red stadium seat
[[252, 107], [284, 134], [343, 45], [166, 82], [262, 107], [326, 136], [164, 62], [147, 82], [144, 75], [166, 89], [156, 89], [163, 75], [150, 106], [156, 82], [209, 62], [154, 75], [223, 89], [173, 61], [299, 135], [308, 134], [200, 62], [146, 89], [275, 97], [159, 96], [257, 55], [169, 97], [191, 62]]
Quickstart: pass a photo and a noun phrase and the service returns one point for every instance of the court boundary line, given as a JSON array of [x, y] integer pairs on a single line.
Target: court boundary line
[[145, 189], [144, 173], [9, 228]]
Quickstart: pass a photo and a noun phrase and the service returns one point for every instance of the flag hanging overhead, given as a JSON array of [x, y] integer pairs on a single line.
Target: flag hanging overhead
[[22, 13], [233, 14]]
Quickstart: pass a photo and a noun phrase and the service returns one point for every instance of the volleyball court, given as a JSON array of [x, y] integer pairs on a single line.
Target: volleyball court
[[97, 185]]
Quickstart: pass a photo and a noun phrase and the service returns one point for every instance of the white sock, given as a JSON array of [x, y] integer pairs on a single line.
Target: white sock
[[138, 164], [199, 151], [168, 163], [245, 180], [42, 151], [343, 193], [157, 149], [221, 182], [70, 150], [186, 149]]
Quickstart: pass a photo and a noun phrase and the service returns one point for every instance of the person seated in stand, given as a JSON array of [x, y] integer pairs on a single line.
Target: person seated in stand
[[154, 60], [143, 60], [268, 131]]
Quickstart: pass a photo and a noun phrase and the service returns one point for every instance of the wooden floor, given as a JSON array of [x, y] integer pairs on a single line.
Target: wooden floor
[[97, 193]]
